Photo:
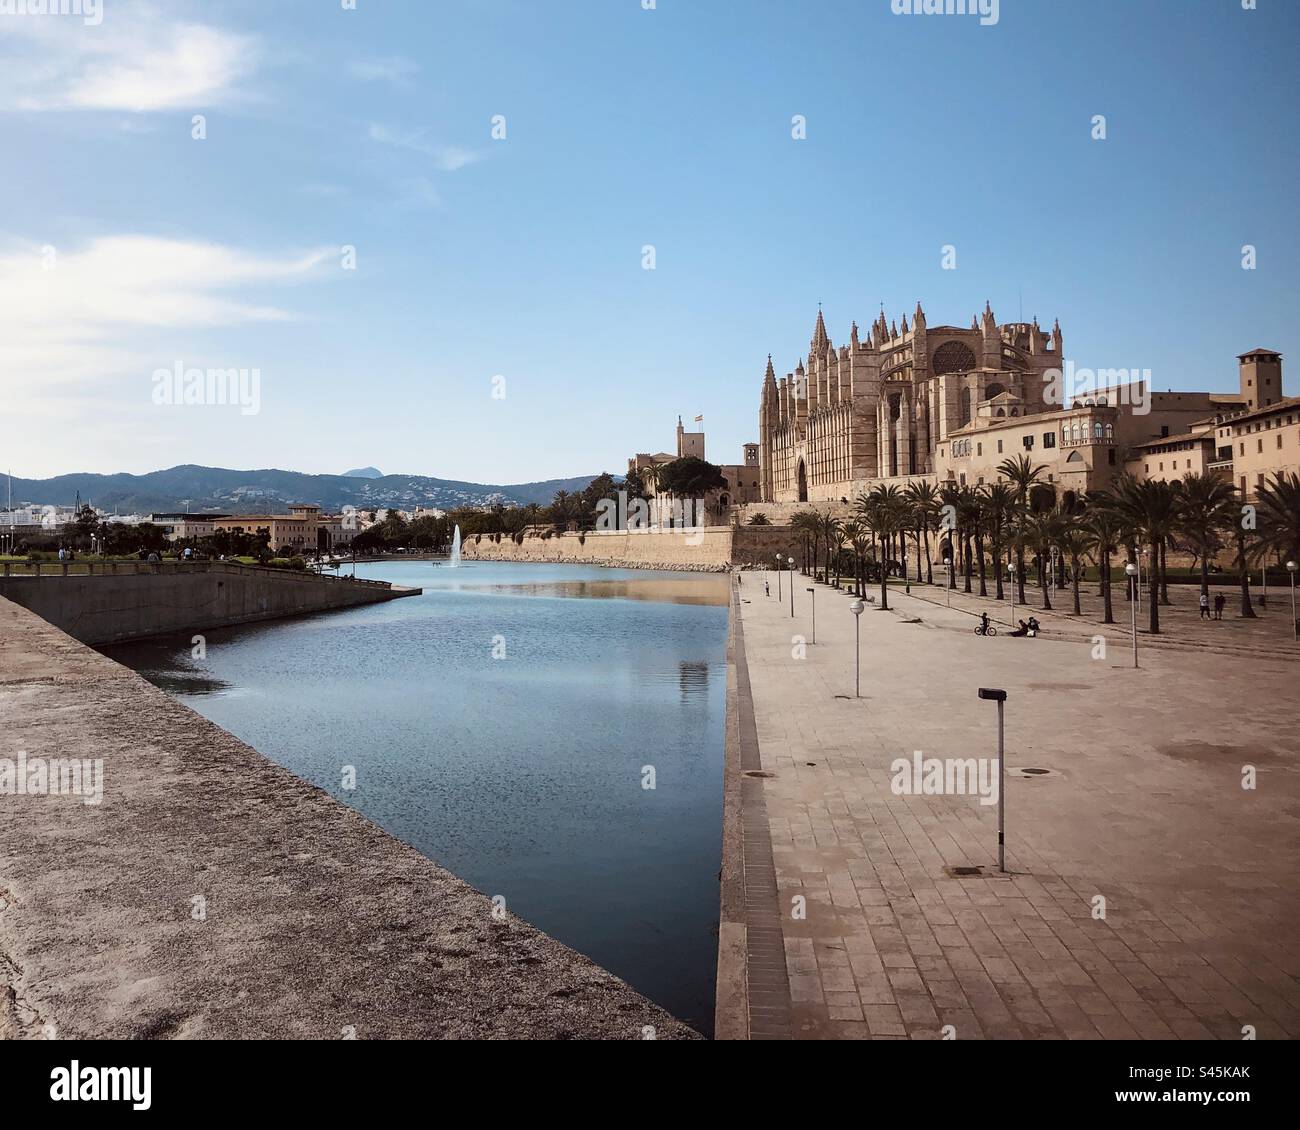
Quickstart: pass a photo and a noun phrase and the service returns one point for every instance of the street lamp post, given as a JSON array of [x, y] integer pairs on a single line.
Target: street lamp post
[[792, 587], [1011, 569], [1132, 571], [907, 577], [814, 614], [856, 608], [779, 590], [947, 561], [1295, 624], [1000, 697]]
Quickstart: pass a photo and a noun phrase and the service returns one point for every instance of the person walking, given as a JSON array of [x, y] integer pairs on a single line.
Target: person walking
[[1205, 606], [1219, 601], [767, 588]]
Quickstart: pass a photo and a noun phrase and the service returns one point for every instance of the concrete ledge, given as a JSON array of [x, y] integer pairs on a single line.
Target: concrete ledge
[[139, 602], [315, 923]]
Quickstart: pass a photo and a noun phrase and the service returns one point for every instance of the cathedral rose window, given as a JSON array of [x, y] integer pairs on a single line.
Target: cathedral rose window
[[952, 357]]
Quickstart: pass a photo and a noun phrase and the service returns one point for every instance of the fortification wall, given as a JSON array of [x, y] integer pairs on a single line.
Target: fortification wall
[[712, 549], [107, 607]]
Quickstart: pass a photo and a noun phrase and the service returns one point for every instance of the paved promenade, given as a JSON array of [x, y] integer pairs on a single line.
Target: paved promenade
[[1199, 933]]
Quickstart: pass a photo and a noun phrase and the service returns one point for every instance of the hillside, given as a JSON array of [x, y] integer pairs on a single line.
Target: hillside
[[242, 492]]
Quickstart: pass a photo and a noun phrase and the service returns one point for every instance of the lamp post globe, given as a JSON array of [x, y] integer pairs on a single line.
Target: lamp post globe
[[1132, 570]]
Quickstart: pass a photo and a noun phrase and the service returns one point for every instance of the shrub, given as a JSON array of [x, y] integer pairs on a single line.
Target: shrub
[[760, 520]]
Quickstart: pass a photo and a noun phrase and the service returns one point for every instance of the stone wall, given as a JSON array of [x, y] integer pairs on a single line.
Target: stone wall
[[712, 549], [707, 549], [154, 600]]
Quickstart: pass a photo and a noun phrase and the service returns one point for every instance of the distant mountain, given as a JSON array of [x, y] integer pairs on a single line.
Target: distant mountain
[[364, 473], [250, 492]]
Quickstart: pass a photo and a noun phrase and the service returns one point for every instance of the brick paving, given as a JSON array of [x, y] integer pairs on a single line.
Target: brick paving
[[1143, 806]]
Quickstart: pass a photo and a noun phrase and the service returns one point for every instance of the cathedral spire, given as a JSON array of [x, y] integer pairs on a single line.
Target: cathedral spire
[[820, 339]]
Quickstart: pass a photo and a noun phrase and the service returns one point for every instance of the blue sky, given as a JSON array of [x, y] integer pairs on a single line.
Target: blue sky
[[625, 127]]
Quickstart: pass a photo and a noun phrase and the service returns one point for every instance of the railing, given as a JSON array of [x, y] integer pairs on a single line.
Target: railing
[[48, 569]]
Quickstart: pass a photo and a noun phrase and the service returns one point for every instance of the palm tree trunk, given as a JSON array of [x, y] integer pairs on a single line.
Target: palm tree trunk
[[965, 546], [1164, 572], [884, 573], [1074, 579], [929, 568], [918, 556], [1020, 571], [997, 571], [1154, 622], [1247, 609], [979, 553], [1044, 567], [1105, 589]]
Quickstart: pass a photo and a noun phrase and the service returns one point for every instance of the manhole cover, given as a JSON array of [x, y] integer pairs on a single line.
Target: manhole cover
[[1030, 772], [758, 773], [964, 872]]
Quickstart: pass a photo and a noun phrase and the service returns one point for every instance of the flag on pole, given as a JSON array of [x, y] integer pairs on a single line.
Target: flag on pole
[[699, 419]]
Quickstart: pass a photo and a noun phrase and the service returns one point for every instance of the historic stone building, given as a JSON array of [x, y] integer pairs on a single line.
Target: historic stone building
[[879, 408]]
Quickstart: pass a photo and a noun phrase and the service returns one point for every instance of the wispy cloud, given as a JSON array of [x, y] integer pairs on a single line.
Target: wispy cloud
[[136, 61], [446, 158], [394, 69], [79, 315]]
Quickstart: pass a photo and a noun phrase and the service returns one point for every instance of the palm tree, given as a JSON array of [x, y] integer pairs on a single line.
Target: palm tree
[[1042, 532], [924, 500], [1074, 542], [884, 510], [834, 538], [1278, 505], [1207, 506], [804, 526], [999, 506], [859, 539], [949, 502], [1105, 532], [970, 513], [1023, 475], [1151, 508]]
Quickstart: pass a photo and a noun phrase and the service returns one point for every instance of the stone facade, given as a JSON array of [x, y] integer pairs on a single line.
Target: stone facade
[[879, 407]]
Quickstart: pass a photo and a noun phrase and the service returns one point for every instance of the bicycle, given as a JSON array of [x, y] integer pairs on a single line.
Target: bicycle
[[980, 630]]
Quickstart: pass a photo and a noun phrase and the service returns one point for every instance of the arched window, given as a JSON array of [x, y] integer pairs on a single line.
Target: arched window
[[1098, 430], [1001, 412], [1110, 431]]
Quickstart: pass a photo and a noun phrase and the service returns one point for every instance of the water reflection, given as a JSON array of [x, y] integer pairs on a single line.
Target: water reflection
[[499, 724]]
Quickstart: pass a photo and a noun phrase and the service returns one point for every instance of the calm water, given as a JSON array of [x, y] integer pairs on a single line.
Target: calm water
[[521, 775]]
